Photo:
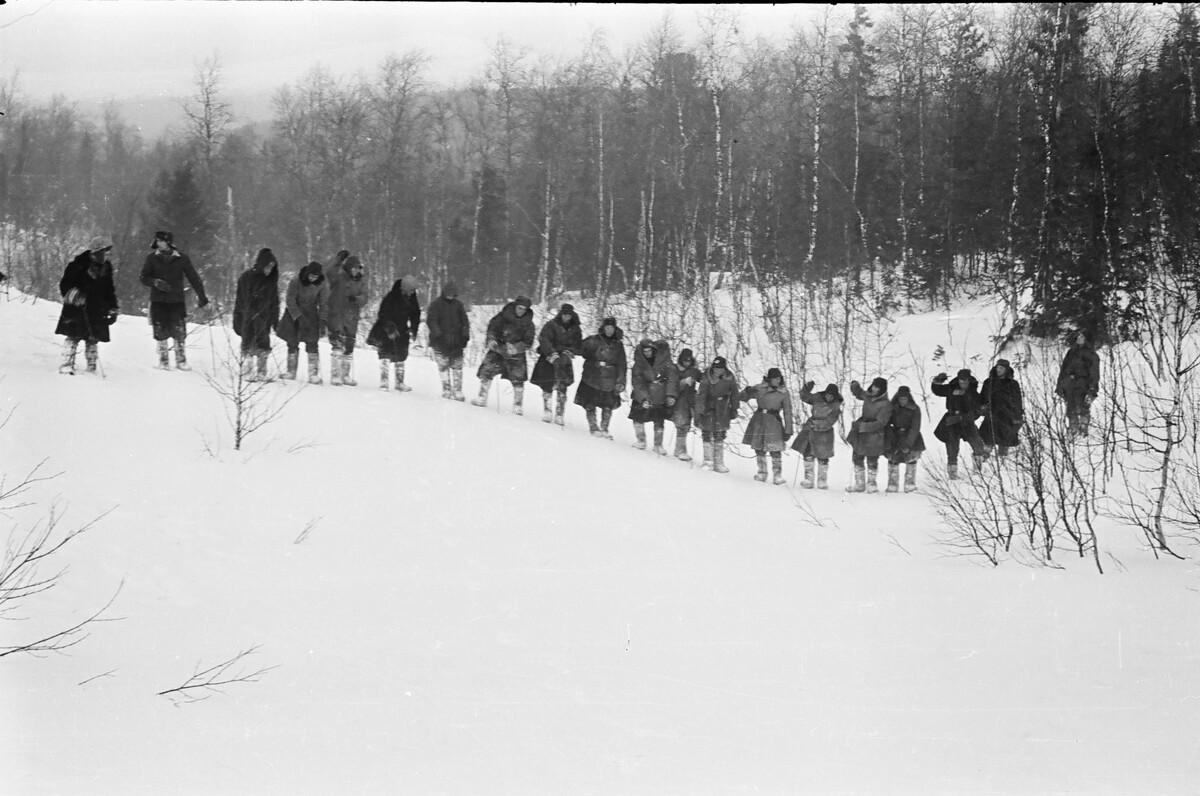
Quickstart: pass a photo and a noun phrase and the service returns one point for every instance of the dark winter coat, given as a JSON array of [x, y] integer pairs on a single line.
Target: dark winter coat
[[562, 340], [307, 313], [511, 335], [93, 298], [962, 409], [1003, 410], [1079, 374], [172, 267], [685, 404], [903, 441], [449, 327], [347, 296], [399, 323], [771, 424], [256, 310], [866, 435], [816, 437], [655, 379], [717, 401], [604, 364]]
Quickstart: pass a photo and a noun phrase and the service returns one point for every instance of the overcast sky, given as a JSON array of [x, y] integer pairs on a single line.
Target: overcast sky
[[101, 49]]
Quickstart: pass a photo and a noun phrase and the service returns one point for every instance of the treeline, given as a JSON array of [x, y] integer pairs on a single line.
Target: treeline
[[1050, 152]]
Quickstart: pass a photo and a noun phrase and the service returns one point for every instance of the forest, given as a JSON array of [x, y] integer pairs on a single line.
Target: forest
[[893, 156]]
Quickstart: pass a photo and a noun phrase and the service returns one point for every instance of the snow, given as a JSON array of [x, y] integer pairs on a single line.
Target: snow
[[485, 603]]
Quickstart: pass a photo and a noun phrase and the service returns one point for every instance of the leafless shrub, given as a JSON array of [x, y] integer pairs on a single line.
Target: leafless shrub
[[250, 402]]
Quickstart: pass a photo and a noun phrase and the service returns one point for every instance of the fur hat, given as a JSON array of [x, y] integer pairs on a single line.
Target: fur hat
[[163, 235], [313, 269], [609, 321], [902, 392], [100, 243], [774, 373], [686, 355], [881, 383], [832, 391], [965, 373], [565, 308], [718, 362], [523, 301], [450, 289]]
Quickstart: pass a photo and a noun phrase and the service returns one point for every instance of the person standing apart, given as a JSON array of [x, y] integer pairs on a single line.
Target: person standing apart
[[163, 272], [89, 305], [1079, 383]]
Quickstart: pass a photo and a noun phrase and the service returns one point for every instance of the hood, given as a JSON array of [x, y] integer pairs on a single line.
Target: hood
[[450, 289], [312, 268]]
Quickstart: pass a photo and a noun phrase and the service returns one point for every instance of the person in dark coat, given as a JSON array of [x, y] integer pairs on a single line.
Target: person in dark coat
[[902, 440], [1003, 409], [653, 390], [256, 312], [816, 438], [1079, 383], [449, 332], [603, 378], [958, 424], [347, 296], [770, 426], [89, 304], [305, 319], [163, 272], [561, 339], [510, 334], [399, 323], [866, 435], [687, 375], [717, 404]]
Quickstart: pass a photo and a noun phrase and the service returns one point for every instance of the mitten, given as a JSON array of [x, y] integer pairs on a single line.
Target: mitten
[[162, 284], [645, 404], [854, 384], [670, 400], [687, 381], [808, 385], [941, 377], [552, 358]]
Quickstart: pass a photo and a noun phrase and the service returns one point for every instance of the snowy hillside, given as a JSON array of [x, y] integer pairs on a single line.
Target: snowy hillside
[[447, 599]]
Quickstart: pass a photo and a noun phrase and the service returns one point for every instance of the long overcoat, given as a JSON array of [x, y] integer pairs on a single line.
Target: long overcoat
[[93, 285], [306, 310], [561, 339], [771, 424], [867, 434], [256, 310], [717, 401], [816, 437], [1003, 410]]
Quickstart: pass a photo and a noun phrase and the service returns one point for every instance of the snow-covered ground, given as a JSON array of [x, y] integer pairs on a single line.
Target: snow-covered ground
[[458, 600]]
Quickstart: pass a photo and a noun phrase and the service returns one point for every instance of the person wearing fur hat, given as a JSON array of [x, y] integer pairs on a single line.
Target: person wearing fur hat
[[1079, 383], [347, 296], [256, 313], [163, 272], [903, 442], [866, 435], [770, 426], [717, 404], [958, 424], [449, 332], [603, 378], [653, 390], [510, 334], [1003, 409], [688, 376], [305, 319], [89, 304], [560, 339], [399, 323], [815, 442]]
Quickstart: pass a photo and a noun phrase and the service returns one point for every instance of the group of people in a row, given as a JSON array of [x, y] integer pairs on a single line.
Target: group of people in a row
[[328, 301]]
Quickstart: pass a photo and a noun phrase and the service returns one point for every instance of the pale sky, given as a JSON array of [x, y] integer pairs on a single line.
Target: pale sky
[[102, 49]]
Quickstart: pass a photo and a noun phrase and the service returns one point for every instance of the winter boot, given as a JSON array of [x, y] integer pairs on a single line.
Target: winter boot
[[385, 375], [823, 474], [347, 370], [518, 399], [456, 381], [807, 483], [400, 385], [560, 407], [293, 363], [593, 426], [639, 431], [681, 446], [547, 411], [952, 471], [164, 355], [91, 354], [761, 458], [262, 367], [658, 440], [777, 469], [893, 477], [872, 475], [314, 367], [481, 399], [335, 369], [910, 477], [447, 390], [860, 480], [67, 366], [719, 458], [605, 418], [181, 362], [708, 456]]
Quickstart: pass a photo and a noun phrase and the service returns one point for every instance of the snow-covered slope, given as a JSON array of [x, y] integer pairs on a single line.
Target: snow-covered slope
[[458, 600]]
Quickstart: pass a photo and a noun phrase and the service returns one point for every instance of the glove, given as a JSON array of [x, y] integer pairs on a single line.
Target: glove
[[670, 400], [162, 284], [941, 377], [808, 385], [203, 303], [552, 358], [854, 383]]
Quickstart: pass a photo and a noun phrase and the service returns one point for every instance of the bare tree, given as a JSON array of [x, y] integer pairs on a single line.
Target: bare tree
[[250, 401], [205, 682]]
